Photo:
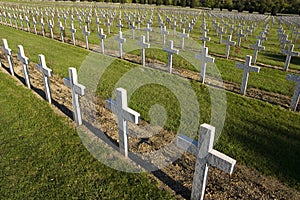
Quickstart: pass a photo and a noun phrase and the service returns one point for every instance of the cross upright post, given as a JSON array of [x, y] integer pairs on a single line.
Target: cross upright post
[[8, 53], [170, 51], [289, 53], [164, 32], [204, 59], [257, 46], [46, 72], [204, 38], [148, 29], [247, 68], [296, 96], [51, 28], [143, 45], [73, 31], [206, 156], [124, 115], [240, 35], [76, 89], [25, 62]]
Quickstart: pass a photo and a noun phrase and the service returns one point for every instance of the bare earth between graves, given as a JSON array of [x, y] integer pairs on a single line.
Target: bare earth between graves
[[244, 183]]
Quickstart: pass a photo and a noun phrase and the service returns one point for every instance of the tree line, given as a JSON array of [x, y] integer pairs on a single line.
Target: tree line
[[261, 6]]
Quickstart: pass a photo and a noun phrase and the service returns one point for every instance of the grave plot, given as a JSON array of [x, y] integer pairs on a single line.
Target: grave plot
[[116, 71]]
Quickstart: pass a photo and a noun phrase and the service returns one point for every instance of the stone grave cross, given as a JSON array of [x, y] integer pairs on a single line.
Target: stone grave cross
[[204, 57], [124, 115], [257, 46], [289, 53], [25, 61], [206, 156], [76, 89], [170, 51], [86, 33], [46, 72], [296, 96], [148, 29], [8, 53], [121, 40], [73, 31], [247, 68], [102, 36], [164, 32], [183, 35], [228, 43], [143, 45]]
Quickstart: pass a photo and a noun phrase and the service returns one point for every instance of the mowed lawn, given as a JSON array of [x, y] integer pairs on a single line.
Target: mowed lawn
[[42, 156], [257, 134]]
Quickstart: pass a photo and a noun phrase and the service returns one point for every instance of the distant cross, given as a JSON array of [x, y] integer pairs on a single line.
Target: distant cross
[[204, 57], [51, 28], [257, 46], [108, 24], [174, 27], [121, 40], [228, 43], [204, 38], [164, 32], [289, 53], [206, 156], [86, 33], [183, 35], [221, 32], [240, 35], [143, 45], [43, 28], [262, 37], [61, 30], [284, 40], [28, 23], [73, 31], [296, 96], [170, 51], [247, 68], [102, 36], [25, 61], [120, 25], [133, 27], [76, 90], [148, 29], [124, 114], [8, 53], [21, 22], [98, 24], [34, 25], [46, 72]]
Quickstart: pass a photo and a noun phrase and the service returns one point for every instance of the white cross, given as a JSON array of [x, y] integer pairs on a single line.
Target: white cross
[[25, 62], [204, 59], [183, 35], [43, 28], [121, 40], [170, 51], [8, 53], [34, 25], [120, 25], [133, 27], [108, 24], [247, 68], [221, 32], [204, 38], [257, 46], [124, 115], [61, 29], [262, 37], [206, 156], [148, 29], [86, 33], [289, 53], [164, 32], [228, 43], [296, 96], [46, 72], [143, 45], [51, 28], [73, 31], [240, 35], [102, 36], [76, 89]]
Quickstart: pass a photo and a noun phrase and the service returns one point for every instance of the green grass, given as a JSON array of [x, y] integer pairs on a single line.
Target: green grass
[[42, 156], [257, 134]]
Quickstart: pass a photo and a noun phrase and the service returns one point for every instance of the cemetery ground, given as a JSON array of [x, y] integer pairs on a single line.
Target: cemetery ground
[[263, 136]]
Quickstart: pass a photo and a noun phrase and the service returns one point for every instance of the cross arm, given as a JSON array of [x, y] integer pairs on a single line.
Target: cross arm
[[292, 77], [187, 144], [131, 115], [254, 69], [221, 161], [110, 104]]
